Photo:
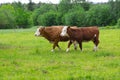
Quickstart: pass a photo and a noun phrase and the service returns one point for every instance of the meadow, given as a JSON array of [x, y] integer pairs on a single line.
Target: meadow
[[26, 57]]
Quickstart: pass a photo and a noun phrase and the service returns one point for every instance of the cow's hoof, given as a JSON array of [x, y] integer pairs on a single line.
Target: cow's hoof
[[67, 50], [52, 50]]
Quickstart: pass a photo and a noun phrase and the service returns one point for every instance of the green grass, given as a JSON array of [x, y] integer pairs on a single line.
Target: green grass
[[26, 57]]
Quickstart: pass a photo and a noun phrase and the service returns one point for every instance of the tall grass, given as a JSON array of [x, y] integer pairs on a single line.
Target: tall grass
[[26, 57]]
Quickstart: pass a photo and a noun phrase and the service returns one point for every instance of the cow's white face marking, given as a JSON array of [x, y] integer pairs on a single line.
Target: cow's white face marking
[[64, 31], [37, 33]]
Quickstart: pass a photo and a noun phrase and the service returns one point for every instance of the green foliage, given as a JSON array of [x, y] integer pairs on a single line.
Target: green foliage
[[64, 6], [67, 12], [83, 3], [48, 19], [118, 23], [86, 6], [98, 15], [7, 18], [43, 9], [31, 5], [75, 16], [14, 16], [23, 17], [59, 18], [114, 10]]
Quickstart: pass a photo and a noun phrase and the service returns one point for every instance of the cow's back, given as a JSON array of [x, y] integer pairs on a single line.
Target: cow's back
[[88, 33], [52, 33]]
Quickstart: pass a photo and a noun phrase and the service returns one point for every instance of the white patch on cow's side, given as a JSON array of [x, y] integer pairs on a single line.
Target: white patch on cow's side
[[37, 33], [95, 35], [64, 31]]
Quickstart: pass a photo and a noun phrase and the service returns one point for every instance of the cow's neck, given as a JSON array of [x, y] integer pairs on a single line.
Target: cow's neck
[[74, 34], [46, 35], [70, 33]]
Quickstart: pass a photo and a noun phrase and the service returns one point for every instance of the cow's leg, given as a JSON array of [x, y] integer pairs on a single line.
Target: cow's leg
[[80, 45], [54, 45], [95, 48], [58, 47], [96, 42], [69, 44], [75, 45]]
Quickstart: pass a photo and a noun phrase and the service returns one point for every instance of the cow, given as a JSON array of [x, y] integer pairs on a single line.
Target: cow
[[81, 35], [52, 34]]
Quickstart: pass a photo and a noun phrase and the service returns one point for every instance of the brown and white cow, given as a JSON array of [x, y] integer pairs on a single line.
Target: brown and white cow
[[52, 34], [82, 34]]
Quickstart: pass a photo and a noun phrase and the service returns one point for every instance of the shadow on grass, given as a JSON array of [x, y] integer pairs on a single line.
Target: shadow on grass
[[104, 54], [5, 46], [39, 51], [8, 46], [87, 77]]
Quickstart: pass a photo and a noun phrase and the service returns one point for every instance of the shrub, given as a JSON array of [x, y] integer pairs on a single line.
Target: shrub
[[48, 19], [7, 18], [98, 15], [74, 18], [44, 8], [118, 23]]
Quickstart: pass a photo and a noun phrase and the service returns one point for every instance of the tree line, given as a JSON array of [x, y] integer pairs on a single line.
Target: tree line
[[67, 12]]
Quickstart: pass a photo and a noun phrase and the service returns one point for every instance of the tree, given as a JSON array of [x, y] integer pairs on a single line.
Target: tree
[[98, 15], [64, 6], [48, 19], [31, 5], [7, 18], [84, 3], [115, 10], [75, 17], [118, 23], [44, 8], [23, 17]]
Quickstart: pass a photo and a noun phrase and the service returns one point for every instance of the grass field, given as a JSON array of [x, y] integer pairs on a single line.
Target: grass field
[[26, 57]]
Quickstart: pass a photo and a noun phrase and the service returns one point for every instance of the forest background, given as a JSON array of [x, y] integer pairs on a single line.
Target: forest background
[[67, 12]]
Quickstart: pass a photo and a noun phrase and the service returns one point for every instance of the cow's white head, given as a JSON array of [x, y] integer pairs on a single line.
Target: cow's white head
[[64, 31], [37, 33]]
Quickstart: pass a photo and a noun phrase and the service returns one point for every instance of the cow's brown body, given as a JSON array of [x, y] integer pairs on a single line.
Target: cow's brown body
[[52, 34], [84, 34]]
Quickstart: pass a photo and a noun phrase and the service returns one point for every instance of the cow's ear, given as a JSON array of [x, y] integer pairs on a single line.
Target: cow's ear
[[43, 28], [68, 26]]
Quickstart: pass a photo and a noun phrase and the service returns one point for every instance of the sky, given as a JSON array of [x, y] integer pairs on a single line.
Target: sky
[[37, 1]]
